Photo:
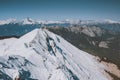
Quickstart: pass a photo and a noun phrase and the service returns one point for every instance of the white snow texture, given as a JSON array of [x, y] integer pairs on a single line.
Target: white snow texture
[[43, 55]]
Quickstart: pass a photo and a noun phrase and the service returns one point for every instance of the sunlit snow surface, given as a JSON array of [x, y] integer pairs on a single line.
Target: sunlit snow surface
[[42, 55]]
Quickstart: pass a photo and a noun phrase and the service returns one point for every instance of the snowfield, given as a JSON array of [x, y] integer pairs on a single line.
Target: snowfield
[[43, 55]]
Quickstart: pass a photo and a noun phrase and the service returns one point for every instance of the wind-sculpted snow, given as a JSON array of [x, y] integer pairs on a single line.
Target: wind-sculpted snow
[[42, 55]]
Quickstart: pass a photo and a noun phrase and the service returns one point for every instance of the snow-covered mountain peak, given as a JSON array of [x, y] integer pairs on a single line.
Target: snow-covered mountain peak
[[43, 55], [28, 21]]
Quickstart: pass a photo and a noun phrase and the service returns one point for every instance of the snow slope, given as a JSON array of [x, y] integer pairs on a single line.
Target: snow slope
[[42, 55], [5, 45]]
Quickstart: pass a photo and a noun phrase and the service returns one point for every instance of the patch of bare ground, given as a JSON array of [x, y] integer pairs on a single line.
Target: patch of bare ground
[[112, 72]]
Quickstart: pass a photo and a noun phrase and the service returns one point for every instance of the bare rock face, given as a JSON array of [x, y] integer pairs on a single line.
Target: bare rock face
[[112, 68], [17, 79]]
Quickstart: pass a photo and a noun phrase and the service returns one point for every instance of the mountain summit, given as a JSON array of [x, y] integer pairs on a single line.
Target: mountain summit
[[28, 21], [43, 55]]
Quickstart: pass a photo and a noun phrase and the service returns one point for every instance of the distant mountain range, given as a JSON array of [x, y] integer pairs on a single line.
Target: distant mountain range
[[31, 21], [13, 27]]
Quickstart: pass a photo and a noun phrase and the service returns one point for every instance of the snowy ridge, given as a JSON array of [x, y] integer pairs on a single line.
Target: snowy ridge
[[70, 21], [42, 55]]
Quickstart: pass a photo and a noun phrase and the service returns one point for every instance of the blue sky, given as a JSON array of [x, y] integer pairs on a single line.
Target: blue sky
[[60, 9]]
